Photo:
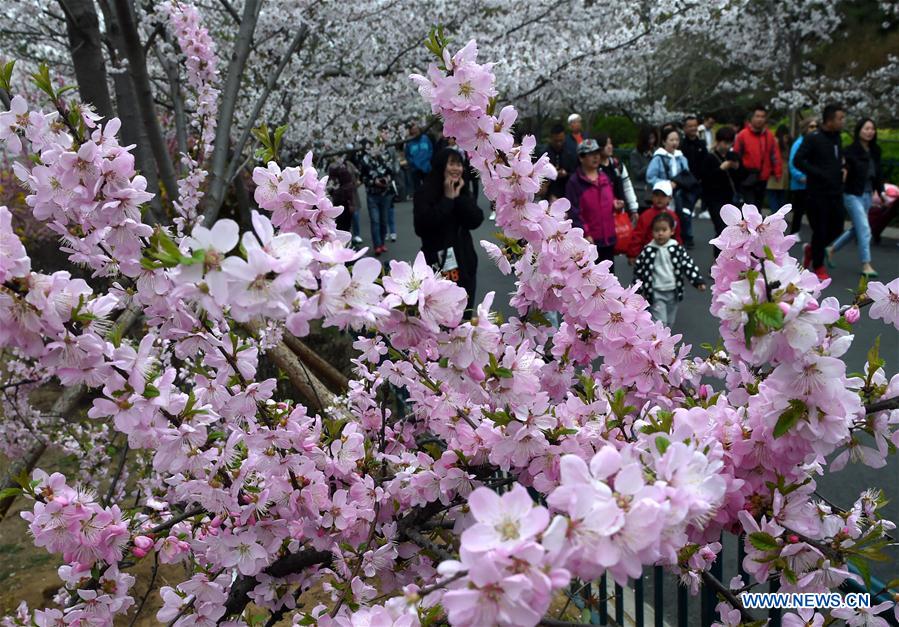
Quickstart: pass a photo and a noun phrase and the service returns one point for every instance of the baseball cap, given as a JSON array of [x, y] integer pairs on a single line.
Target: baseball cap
[[587, 146], [664, 187]]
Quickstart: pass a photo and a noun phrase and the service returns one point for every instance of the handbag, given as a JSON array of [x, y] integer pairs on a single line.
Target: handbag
[[685, 179], [624, 230]]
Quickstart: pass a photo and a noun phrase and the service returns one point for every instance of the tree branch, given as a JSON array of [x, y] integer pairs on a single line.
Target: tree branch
[[712, 582], [886, 404], [137, 70], [230, 92], [295, 44], [238, 598]]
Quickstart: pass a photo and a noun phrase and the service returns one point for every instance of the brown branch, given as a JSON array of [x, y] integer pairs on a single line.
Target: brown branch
[[882, 405], [238, 597], [712, 582], [314, 393], [330, 375]]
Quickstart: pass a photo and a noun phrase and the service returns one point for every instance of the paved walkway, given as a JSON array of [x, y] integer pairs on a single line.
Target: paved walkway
[[698, 326]]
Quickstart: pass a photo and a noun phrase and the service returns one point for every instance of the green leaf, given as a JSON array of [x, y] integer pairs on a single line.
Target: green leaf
[[750, 329], [788, 419], [864, 569], [893, 583], [41, 80], [763, 541], [874, 359], [788, 574], [6, 75], [503, 373], [770, 315], [662, 443], [769, 255], [151, 391], [9, 493]]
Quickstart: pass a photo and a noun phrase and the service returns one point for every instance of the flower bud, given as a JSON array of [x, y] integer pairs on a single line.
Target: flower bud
[[476, 372], [793, 538], [784, 307], [852, 315], [142, 546]]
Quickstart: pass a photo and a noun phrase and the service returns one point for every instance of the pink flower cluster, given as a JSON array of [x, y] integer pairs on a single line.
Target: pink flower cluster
[[510, 560], [202, 77], [71, 522], [86, 188]]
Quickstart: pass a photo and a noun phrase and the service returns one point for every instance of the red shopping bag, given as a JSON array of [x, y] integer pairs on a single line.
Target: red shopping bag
[[624, 229]]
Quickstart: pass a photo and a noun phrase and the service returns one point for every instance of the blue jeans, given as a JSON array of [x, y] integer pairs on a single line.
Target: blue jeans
[[777, 198], [378, 210], [857, 207]]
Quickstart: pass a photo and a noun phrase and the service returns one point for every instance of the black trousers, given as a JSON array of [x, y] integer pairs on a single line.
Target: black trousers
[[826, 214], [606, 252], [798, 198], [755, 194]]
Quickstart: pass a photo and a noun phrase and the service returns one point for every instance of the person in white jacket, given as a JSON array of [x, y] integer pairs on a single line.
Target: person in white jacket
[[669, 164], [625, 197]]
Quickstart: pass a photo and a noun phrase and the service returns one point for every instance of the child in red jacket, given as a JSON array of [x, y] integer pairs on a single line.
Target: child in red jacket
[[642, 235]]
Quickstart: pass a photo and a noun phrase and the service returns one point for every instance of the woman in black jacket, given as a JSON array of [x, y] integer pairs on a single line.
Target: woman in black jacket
[[444, 214], [720, 178], [864, 178]]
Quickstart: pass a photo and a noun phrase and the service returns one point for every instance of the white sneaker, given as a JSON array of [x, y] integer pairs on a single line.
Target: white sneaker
[[493, 216], [357, 239], [393, 237]]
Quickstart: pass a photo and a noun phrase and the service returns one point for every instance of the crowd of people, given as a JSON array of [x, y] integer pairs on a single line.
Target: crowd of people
[[643, 209], [696, 167]]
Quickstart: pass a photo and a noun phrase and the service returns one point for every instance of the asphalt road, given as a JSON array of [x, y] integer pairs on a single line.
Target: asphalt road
[[698, 326]]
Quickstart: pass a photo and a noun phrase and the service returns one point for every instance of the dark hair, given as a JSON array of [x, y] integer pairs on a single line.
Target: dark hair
[[783, 137], [689, 117], [432, 186], [706, 116], [758, 107], [643, 138], [662, 217], [602, 139], [725, 134], [666, 131], [556, 129], [830, 111], [858, 130]]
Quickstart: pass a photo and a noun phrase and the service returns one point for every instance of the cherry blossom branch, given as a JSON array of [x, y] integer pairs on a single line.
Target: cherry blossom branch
[[171, 522], [882, 405], [239, 597], [713, 582], [115, 478]]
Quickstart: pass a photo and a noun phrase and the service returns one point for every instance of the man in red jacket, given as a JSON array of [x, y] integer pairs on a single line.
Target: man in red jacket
[[759, 156]]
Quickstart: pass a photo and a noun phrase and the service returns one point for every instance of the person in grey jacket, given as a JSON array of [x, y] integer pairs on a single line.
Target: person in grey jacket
[[638, 162]]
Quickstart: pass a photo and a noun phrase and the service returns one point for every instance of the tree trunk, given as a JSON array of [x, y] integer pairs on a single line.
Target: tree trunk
[[218, 180], [83, 29], [143, 91], [133, 131]]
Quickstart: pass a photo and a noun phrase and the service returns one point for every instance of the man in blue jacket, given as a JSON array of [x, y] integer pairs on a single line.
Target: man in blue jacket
[[418, 152]]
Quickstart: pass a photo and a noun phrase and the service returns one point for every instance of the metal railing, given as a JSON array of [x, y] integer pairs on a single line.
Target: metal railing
[[658, 598]]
